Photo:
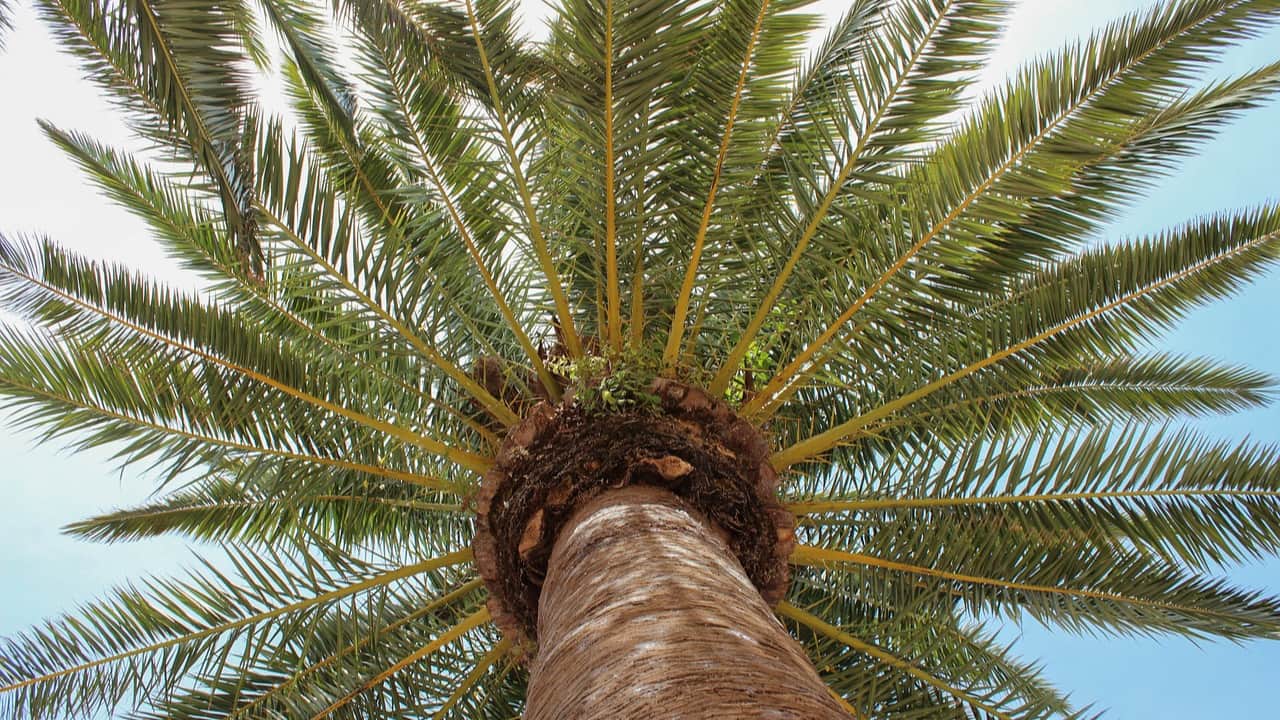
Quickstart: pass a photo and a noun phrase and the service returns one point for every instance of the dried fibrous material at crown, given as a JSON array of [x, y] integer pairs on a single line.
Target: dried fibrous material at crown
[[560, 457]]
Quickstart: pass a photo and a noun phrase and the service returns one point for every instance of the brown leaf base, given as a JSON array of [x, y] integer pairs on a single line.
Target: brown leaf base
[[560, 458]]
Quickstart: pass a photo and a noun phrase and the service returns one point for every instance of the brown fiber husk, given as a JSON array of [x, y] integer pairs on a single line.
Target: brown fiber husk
[[561, 457]]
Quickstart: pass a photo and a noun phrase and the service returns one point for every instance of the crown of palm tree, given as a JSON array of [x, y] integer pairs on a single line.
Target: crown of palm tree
[[897, 284]]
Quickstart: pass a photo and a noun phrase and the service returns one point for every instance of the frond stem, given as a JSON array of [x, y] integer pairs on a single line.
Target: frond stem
[[829, 439], [824, 507], [443, 601], [390, 473], [469, 460], [469, 623], [455, 558], [822, 557], [567, 328], [790, 372], [482, 666], [495, 406], [612, 289], [832, 632], [486, 276], [721, 381], [671, 354]]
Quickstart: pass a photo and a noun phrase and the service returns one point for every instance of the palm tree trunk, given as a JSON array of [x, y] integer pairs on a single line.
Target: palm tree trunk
[[646, 614]]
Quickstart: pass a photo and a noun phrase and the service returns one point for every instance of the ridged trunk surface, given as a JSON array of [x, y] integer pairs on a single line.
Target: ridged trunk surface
[[646, 614]]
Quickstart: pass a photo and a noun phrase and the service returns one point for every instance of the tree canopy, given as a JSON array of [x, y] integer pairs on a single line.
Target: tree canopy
[[451, 220]]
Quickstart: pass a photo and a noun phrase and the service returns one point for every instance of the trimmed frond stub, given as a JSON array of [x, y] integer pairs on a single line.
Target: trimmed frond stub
[[561, 457]]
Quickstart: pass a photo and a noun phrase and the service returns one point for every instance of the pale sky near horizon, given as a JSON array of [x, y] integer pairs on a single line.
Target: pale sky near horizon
[[44, 488]]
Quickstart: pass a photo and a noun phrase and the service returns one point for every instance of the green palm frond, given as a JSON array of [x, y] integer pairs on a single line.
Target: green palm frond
[[433, 139], [453, 221], [1126, 298], [1142, 489], [149, 336], [297, 679], [145, 640], [6, 20], [1095, 187], [290, 307], [961, 696], [1149, 388], [269, 503], [303, 33], [313, 231], [516, 110], [175, 66], [883, 688], [907, 59]]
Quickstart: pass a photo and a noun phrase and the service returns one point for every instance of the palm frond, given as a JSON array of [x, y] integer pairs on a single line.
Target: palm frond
[[1156, 598], [494, 25], [6, 21], [313, 226], [1126, 297], [915, 43], [671, 354], [434, 130], [295, 679], [1194, 502], [1070, 165], [192, 233], [468, 624], [175, 66], [818, 625], [142, 641], [261, 504], [134, 325]]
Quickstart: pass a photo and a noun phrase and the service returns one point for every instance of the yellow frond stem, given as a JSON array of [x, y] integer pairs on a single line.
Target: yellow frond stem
[[671, 355], [822, 557], [724, 377], [469, 623], [570, 333], [610, 200], [834, 633], [637, 277], [482, 667], [822, 442], [388, 473], [849, 708], [469, 460], [637, 294], [792, 375], [824, 507], [486, 276], [392, 502], [454, 558], [495, 406], [444, 600]]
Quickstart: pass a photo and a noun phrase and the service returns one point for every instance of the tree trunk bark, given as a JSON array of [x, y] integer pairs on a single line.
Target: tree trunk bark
[[645, 614]]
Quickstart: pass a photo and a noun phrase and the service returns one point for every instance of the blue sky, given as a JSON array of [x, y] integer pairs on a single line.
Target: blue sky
[[44, 488]]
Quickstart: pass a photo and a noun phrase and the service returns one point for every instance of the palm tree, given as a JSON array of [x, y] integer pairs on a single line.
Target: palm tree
[[644, 371]]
